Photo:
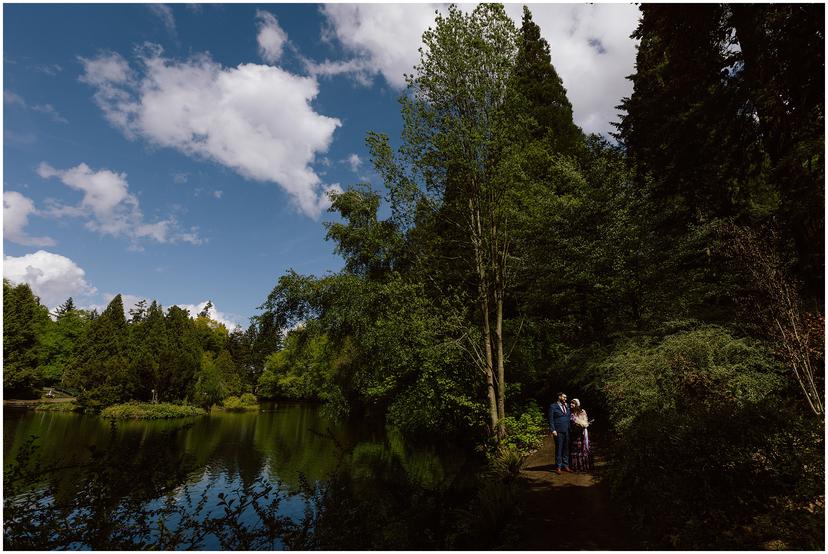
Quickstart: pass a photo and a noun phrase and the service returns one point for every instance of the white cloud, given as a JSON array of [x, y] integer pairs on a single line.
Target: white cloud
[[228, 320], [589, 45], [179, 178], [255, 119], [271, 37], [52, 277], [16, 211], [50, 110], [165, 14], [109, 207], [13, 99], [108, 74], [49, 69], [354, 161], [218, 193], [592, 51]]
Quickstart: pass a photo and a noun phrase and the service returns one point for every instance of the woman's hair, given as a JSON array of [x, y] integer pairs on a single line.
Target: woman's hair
[[576, 402]]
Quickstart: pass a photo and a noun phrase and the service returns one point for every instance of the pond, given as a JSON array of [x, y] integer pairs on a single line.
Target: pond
[[317, 482]]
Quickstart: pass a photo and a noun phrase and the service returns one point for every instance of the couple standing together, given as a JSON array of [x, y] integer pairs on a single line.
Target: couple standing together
[[569, 427]]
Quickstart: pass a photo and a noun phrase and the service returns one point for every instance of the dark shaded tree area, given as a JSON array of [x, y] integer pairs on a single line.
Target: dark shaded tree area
[[522, 257], [106, 359]]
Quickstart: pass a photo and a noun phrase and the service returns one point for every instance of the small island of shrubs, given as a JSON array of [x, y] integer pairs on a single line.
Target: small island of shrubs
[[244, 403], [146, 410]]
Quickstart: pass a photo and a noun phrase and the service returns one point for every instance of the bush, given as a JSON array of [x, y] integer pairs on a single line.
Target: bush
[[144, 410], [525, 432], [236, 404], [709, 447]]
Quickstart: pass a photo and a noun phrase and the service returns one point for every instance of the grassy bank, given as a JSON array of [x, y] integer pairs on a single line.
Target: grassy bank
[[57, 407], [143, 410]]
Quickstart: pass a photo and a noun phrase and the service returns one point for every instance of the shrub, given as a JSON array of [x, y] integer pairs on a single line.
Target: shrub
[[236, 404], [525, 432], [708, 443], [144, 410]]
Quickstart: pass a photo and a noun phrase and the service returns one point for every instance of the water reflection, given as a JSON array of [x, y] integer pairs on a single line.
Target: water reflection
[[328, 473]]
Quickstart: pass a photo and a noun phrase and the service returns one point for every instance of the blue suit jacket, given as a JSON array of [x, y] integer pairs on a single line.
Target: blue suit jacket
[[558, 420]]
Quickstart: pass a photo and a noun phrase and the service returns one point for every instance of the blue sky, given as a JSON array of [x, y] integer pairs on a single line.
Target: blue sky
[[182, 152]]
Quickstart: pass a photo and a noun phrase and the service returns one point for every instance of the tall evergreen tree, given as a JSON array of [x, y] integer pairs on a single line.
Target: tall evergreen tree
[[60, 341], [101, 370], [24, 320], [149, 338], [181, 359], [536, 79]]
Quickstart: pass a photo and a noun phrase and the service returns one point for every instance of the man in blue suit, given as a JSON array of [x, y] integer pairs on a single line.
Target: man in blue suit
[[559, 424]]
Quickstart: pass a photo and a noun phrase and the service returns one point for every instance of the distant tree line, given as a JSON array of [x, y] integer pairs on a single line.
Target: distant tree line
[[108, 358]]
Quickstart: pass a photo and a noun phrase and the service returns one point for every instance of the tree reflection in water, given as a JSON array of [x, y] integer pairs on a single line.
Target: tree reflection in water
[[318, 488]]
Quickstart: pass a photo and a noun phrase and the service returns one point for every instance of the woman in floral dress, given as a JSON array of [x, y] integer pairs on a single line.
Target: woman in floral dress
[[580, 453]]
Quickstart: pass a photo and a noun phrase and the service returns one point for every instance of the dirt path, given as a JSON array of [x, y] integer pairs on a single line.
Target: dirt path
[[571, 511]]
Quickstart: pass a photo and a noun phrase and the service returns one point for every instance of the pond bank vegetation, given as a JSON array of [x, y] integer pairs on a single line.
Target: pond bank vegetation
[[147, 410]]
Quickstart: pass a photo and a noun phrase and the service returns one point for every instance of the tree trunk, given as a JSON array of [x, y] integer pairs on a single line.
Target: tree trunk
[[501, 377], [483, 292]]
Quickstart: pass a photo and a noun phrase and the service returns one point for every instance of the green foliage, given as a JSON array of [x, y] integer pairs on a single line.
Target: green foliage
[[24, 320], [240, 404], [209, 388], [57, 407], [370, 246], [101, 368], [181, 360], [538, 83], [525, 432], [146, 410], [706, 441], [301, 370], [506, 461]]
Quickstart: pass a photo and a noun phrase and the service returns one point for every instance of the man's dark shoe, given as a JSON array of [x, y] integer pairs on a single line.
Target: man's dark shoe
[[566, 469]]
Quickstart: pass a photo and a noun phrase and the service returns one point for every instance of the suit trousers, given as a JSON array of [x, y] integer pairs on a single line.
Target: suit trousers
[[562, 449]]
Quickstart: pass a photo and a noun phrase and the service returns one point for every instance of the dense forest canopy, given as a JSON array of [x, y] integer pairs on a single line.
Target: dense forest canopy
[[674, 276]]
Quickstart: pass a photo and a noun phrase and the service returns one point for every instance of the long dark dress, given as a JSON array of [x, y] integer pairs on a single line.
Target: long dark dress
[[580, 449]]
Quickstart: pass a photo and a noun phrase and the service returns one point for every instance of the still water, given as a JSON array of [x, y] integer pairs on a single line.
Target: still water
[[370, 475]]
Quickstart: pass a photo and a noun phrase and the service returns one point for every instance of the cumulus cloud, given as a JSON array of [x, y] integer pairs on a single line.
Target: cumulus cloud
[[254, 119], [271, 37], [589, 45], [52, 277], [231, 321], [109, 207], [16, 211], [592, 51]]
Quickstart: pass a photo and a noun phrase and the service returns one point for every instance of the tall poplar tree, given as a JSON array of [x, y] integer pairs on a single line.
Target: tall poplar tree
[[455, 135]]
